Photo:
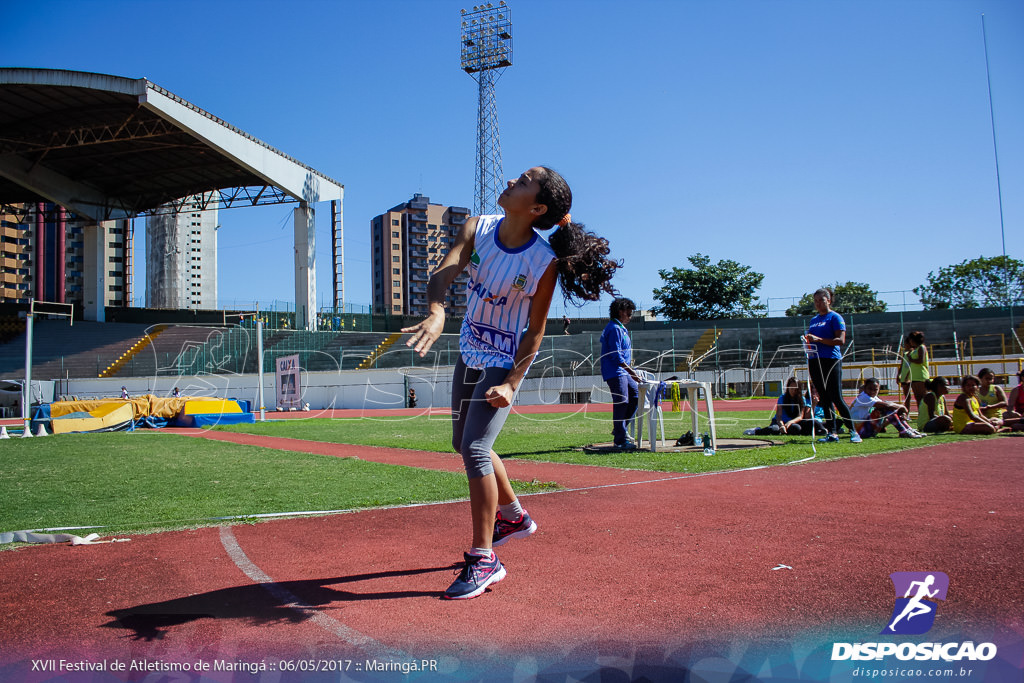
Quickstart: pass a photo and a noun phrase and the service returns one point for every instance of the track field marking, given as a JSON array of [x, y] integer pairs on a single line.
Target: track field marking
[[287, 598], [646, 481], [350, 635]]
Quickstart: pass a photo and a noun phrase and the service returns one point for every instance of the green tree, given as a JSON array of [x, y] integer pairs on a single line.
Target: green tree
[[709, 291], [974, 283], [851, 297]]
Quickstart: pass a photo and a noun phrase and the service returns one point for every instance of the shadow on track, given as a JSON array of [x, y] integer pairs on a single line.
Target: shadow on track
[[257, 604]]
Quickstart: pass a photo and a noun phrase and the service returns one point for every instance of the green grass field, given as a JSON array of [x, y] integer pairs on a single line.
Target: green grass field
[[148, 481], [559, 437]]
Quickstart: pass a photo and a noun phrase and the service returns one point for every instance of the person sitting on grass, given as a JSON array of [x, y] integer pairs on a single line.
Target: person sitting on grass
[[1013, 416], [812, 399], [791, 414], [932, 417], [991, 396], [967, 415], [871, 414], [1015, 409]]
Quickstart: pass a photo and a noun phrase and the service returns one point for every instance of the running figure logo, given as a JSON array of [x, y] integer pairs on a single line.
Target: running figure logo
[[917, 594]]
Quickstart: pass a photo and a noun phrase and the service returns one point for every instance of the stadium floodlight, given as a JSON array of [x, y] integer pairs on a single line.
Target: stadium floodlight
[[486, 45]]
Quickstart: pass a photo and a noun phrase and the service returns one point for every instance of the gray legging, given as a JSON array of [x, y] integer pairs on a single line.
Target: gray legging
[[475, 422]]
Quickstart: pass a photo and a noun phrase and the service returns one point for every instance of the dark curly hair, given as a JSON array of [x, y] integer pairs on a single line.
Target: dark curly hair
[[619, 305], [584, 269]]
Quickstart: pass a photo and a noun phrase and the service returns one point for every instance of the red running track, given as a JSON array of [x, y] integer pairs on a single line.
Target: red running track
[[640, 573]]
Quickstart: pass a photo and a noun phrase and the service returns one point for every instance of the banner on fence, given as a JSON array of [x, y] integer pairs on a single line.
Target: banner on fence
[[289, 390]]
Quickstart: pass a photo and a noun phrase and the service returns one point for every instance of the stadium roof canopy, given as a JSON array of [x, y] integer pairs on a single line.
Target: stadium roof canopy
[[109, 147]]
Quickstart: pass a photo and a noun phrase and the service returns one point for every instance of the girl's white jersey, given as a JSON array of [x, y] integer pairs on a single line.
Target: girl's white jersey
[[501, 284]]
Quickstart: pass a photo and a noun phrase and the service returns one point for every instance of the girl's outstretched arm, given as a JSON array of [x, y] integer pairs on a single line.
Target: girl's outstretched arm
[[426, 332], [501, 395]]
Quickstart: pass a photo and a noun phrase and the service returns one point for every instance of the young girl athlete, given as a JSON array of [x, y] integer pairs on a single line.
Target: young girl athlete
[[512, 279]]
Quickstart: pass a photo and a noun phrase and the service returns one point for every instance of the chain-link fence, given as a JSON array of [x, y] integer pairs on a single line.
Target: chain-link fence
[[738, 353]]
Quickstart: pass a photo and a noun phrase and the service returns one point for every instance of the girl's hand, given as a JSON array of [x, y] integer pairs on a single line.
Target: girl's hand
[[811, 339], [500, 396], [425, 333]]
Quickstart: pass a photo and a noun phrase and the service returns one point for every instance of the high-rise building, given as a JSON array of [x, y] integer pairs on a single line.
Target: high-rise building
[[15, 257], [408, 242], [44, 252], [181, 255]]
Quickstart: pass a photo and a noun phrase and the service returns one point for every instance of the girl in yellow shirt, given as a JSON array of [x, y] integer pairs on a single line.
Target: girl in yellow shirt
[[967, 417], [991, 397], [917, 362], [932, 418]]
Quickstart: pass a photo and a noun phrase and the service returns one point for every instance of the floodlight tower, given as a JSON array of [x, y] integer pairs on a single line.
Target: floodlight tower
[[486, 50]]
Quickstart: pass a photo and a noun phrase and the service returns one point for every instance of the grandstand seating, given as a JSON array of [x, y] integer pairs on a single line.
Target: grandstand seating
[[128, 356], [10, 327], [86, 348], [379, 351], [61, 350]]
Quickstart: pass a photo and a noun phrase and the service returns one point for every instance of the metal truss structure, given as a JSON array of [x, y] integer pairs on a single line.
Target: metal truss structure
[[486, 42]]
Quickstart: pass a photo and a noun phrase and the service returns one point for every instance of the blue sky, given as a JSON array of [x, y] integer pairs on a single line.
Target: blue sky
[[814, 141]]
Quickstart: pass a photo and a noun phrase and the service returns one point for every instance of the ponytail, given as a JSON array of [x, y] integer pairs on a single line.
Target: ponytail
[[584, 268]]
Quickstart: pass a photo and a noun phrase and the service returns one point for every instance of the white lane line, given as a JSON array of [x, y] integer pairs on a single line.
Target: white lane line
[[288, 599], [647, 481], [313, 513], [335, 627]]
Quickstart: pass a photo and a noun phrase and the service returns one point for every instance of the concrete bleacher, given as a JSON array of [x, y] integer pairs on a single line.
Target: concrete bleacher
[[61, 350], [185, 350], [86, 348]]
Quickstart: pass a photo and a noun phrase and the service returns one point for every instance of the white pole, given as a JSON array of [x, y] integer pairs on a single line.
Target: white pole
[[26, 398], [259, 360]]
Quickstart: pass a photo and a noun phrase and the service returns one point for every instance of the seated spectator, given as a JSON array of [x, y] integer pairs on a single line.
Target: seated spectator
[[1015, 409], [792, 415], [812, 399], [789, 410], [967, 415], [991, 396], [932, 417], [871, 414]]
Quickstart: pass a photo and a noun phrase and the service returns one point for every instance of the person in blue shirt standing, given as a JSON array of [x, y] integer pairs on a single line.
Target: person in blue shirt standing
[[825, 335], [616, 356]]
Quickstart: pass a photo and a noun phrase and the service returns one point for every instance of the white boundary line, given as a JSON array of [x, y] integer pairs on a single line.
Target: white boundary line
[[309, 513], [351, 636], [288, 599]]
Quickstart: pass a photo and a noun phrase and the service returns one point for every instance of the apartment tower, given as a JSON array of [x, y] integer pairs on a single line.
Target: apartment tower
[[43, 250], [408, 242], [181, 255]]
